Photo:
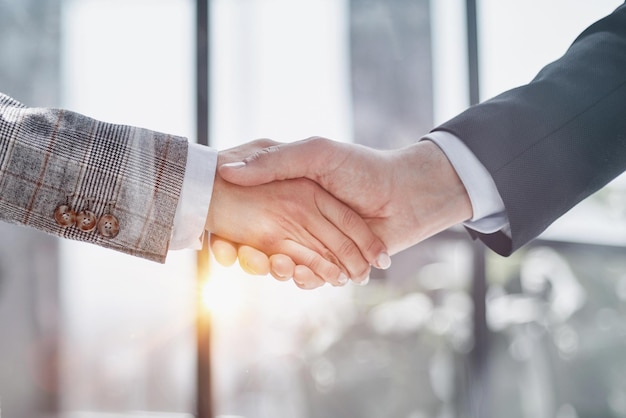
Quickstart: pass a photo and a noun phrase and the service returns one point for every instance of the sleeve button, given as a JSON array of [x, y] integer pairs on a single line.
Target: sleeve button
[[86, 220], [108, 226], [64, 216]]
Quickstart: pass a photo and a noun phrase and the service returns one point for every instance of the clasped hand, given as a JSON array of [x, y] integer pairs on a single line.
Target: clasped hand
[[309, 235], [350, 208]]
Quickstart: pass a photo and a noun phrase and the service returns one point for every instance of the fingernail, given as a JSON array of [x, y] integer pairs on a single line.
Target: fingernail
[[238, 164], [343, 279], [364, 282], [383, 261]]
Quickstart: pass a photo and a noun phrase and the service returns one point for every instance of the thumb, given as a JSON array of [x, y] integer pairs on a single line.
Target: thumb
[[278, 162]]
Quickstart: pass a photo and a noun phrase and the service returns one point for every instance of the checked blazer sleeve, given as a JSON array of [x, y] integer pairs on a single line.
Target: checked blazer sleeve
[[553, 142], [135, 174]]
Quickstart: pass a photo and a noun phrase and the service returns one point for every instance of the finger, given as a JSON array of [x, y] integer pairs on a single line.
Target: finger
[[349, 237], [304, 278], [253, 261], [279, 162], [340, 231], [224, 251], [282, 267], [320, 266]]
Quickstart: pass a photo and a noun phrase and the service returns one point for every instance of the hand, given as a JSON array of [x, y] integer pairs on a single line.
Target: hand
[[405, 195], [296, 218]]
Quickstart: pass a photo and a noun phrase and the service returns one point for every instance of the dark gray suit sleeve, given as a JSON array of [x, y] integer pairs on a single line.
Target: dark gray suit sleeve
[[132, 173], [553, 142]]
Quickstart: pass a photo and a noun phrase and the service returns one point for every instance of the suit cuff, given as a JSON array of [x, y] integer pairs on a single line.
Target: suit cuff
[[195, 198], [489, 214]]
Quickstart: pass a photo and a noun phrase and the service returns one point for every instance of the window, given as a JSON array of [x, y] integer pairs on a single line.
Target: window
[[449, 331]]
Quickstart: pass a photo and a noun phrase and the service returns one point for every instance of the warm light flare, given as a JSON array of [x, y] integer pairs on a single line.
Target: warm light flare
[[221, 295]]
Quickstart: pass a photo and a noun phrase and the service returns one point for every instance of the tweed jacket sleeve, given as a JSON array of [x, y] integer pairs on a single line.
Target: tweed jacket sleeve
[[553, 142], [51, 157]]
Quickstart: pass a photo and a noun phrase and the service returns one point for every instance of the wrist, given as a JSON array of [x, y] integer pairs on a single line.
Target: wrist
[[437, 194], [195, 198]]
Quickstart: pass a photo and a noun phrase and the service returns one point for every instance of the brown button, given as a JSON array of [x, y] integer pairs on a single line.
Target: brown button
[[86, 220], [108, 226], [65, 216]]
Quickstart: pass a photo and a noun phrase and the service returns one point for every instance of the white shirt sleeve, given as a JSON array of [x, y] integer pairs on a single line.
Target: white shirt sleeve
[[489, 214], [195, 198]]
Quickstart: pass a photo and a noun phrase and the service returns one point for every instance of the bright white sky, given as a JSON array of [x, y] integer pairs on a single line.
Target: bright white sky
[[517, 38]]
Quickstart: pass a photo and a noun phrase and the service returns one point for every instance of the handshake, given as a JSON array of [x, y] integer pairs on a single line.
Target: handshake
[[322, 211]]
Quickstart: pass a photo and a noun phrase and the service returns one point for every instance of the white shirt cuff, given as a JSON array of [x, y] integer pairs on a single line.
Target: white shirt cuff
[[195, 198], [489, 214]]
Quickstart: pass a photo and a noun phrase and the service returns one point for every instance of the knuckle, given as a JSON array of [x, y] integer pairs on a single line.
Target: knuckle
[[316, 139], [317, 142], [263, 143], [347, 250], [327, 271], [374, 247], [330, 256], [360, 269], [349, 219], [263, 153], [365, 271], [314, 262]]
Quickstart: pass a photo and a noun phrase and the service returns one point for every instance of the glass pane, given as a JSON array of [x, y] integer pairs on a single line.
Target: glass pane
[[356, 71], [128, 324], [396, 347], [401, 346], [30, 41], [557, 317], [87, 332], [554, 307]]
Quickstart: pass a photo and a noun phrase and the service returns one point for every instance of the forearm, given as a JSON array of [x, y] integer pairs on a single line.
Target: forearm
[[488, 212], [553, 142], [133, 173]]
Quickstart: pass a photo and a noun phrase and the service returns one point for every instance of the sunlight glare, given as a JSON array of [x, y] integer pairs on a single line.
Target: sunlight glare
[[221, 294]]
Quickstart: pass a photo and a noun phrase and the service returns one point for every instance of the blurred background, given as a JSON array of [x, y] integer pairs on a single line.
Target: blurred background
[[451, 330]]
